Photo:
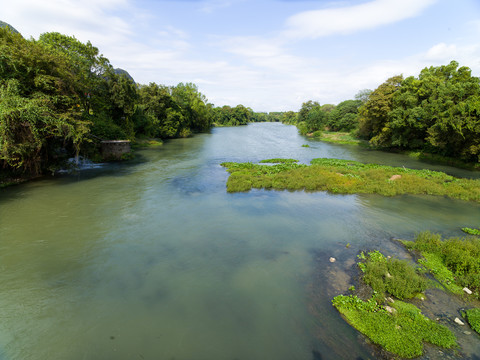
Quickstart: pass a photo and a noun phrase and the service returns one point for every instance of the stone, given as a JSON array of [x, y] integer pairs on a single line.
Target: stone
[[390, 300], [390, 309], [467, 332], [467, 290], [458, 321], [395, 177], [332, 259]]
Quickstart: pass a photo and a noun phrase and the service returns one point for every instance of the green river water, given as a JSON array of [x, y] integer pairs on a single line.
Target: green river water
[[153, 259]]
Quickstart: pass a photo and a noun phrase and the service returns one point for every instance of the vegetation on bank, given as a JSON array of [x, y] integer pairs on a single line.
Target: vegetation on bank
[[349, 177], [473, 318], [395, 325], [60, 97], [338, 137], [454, 262], [435, 115]]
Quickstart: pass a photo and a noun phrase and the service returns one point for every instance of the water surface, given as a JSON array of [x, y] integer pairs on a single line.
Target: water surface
[[153, 259]]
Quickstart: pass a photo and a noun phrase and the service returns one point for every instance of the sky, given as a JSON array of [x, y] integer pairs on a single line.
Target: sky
[[269, 55]]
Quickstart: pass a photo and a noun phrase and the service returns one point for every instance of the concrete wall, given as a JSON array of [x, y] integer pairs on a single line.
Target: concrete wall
[[114, 149]]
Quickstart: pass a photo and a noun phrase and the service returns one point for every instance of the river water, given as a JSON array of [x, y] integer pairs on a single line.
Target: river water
[[153, 259]]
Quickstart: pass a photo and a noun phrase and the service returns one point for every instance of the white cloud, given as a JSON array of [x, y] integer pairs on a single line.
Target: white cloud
[[442, 52], [346, 20]]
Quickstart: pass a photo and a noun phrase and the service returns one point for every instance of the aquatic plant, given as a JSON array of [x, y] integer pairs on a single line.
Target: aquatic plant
[[278, 161], [401, 331], [471, 231], [349, 177]]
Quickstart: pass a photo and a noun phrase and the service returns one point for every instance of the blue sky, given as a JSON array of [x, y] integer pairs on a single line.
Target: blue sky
[[268, 55]]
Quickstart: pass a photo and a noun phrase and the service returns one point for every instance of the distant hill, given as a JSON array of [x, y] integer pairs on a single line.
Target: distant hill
[[125, 73], [8, 26]]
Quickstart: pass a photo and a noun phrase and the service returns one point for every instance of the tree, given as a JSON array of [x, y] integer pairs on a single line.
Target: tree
[[344, 116], [38, 107], [439, 112], [373, 119], [363, 95]]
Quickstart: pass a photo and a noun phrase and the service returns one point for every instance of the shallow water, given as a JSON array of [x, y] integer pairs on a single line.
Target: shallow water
[[153, 259]]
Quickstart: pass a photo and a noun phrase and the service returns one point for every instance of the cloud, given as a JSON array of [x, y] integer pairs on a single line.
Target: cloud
[[346, 20]]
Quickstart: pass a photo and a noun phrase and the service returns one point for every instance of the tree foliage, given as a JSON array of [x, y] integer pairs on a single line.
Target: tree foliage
[[437, 112]]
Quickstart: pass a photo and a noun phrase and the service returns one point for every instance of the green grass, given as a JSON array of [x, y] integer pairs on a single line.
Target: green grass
[[349, 177], [341, 138], [278, 161], [454, 262], [401, 333], [146, 143], [473, 318]]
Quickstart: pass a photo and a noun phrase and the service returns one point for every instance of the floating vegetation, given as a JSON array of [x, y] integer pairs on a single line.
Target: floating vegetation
[[278, 161], [348, 177], [306, 145], [471, 231]]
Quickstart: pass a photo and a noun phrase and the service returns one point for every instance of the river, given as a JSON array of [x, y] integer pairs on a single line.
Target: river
[[153, 259]]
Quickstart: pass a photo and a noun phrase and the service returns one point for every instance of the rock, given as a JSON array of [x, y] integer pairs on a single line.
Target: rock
[[467, 332], [390, 309], [332, 259], [390, 300], [395, 177], [467, 290], [458, 321], [388, 275]]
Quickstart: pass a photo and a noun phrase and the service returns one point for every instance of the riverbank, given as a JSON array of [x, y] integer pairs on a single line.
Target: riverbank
[[346, 138]]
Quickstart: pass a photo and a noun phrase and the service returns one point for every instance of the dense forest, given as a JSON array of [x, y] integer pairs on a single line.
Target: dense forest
[[437, 112], [60, 97]]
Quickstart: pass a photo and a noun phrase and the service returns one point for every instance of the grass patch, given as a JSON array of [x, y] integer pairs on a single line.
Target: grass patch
[[393, 276], [349, 177], [278, 161], [454, 262], [306, 145], [473, 318], [341, 138], [401, 332], [147, 143]]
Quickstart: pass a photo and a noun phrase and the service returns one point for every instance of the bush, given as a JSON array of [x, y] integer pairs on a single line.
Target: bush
[[396, 277]]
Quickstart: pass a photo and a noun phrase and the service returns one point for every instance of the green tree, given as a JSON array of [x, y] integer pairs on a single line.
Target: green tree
[[344, 116], [373, 115], [39, 111]]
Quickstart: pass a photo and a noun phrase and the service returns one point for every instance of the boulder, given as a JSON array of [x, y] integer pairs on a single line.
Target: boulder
[[395, 177], [467, 290]]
